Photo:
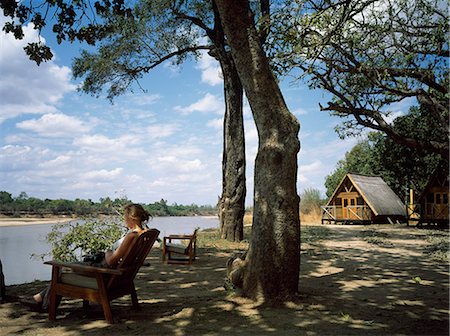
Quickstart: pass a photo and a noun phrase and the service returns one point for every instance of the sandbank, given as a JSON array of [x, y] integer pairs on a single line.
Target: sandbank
[[22, 221]]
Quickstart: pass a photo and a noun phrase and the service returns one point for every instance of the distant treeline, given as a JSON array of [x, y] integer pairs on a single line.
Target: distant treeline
[[25, 205]]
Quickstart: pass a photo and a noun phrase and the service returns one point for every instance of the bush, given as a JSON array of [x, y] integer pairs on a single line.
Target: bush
[[69, 241], [310, 201]]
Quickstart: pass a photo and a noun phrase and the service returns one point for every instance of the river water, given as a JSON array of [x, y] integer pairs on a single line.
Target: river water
[[18, 243]]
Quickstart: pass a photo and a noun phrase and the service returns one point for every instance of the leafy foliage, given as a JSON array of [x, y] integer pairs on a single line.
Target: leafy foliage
[[369, 55], [400, 167], [361, 159], [69, 241], [70, 20], [158, 31], [310, 201]]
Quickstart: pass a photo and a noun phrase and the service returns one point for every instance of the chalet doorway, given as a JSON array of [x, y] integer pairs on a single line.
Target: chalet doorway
[[349, 208]]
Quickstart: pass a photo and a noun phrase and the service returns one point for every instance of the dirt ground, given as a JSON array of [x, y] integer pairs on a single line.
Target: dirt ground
[[348, 286]]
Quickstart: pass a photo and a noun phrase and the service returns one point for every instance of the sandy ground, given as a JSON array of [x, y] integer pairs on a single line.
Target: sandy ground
[[15, 221], [347, 287]]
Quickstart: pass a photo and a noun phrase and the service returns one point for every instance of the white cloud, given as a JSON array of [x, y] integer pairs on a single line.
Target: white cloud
[[186, 150], [216, 123], [24, 86], [57, 163], [102, 175], [55, 125], [13, 110], [179, 164], [99, 143], [210, 68], [142, 100], [251, 143], [18, 158], [312, 168], [209, 103], [300, 111], [400, 108], [161, 130]]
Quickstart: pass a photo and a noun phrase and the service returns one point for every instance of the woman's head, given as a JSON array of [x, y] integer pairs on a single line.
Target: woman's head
[[136, 213]]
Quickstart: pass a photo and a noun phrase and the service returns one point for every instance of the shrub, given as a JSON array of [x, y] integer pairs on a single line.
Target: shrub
[[69, 241], [310, 201]]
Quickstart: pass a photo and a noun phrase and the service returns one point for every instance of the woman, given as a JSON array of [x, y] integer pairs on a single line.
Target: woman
[[135, 217]]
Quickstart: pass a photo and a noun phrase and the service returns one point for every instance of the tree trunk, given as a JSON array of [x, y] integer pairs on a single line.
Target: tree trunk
[[232, 202], [2, 284], [272, 265]]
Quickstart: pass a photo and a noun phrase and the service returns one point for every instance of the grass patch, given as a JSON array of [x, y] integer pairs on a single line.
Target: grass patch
[[313, 234], [376, 237], [211, 238], [438, 243]]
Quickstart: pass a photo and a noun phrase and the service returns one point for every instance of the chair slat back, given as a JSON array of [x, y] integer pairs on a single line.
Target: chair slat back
[[135, 255], [194, 238]]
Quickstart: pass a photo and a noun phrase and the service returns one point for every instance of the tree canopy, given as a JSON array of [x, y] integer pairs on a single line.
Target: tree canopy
[[369, 55], [158, 31], [70, 20], [401, 167]]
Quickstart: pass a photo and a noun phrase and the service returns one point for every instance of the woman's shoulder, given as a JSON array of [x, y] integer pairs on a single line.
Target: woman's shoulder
[[132, 233], [135, 231]]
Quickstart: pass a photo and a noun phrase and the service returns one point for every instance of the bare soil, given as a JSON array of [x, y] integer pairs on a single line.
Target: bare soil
[[348, 286]]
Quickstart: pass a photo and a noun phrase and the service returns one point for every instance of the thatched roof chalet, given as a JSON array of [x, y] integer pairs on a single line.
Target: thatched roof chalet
[[360, 198]]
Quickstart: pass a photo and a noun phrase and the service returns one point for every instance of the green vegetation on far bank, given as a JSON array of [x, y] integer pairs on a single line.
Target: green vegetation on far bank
[[24, 205]]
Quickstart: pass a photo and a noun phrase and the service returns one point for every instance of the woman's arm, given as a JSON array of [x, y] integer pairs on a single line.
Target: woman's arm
[[113, 258]]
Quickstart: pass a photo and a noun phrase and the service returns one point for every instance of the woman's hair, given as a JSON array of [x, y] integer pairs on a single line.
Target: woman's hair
[[136, 211]]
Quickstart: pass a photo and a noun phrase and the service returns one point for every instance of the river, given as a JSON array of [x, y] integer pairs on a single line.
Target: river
[[18, 243]]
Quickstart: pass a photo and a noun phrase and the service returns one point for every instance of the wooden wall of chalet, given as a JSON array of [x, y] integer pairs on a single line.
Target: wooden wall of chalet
[[435, 204], [349, 205]]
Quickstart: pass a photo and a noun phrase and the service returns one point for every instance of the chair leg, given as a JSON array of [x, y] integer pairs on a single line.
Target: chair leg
[[53, 298], [52, 308], [134, 298], [107, 311], [104, 300], [85, 304]]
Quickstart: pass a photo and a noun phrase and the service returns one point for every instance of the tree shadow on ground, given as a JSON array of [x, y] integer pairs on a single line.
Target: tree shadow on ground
[[347, 287]]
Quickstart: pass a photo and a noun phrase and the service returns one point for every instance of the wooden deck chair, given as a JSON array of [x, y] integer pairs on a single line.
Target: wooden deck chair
[[98, 284], [183, 251]]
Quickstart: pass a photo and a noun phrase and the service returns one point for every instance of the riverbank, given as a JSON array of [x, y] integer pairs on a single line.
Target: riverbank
[[22, 221]]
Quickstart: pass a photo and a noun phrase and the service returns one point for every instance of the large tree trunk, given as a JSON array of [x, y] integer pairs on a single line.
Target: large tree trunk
[[232, 201], [272, 265]]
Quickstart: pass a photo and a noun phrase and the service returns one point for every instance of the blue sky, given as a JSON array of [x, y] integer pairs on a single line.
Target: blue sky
[[162, 143]]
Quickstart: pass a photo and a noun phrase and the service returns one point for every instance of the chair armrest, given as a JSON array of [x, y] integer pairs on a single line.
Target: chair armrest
[[180, 236], [83, 268]]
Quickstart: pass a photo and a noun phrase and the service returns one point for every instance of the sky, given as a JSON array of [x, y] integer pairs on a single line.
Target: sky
[[161, 143]]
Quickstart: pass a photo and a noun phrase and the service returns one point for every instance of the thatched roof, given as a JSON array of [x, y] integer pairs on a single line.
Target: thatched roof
[[377, 194]]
